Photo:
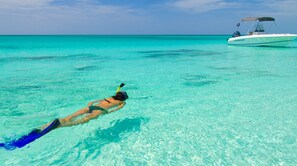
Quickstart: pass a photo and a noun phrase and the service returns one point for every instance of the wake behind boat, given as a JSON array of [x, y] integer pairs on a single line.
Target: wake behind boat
[[257, 37]]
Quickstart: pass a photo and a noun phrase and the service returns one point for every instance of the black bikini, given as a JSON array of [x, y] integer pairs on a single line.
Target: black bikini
[[107, 100], [92, 108]]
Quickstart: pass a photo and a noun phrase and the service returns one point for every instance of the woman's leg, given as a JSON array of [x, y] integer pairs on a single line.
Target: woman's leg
[[95, 114], [77, 113], [70, 117]]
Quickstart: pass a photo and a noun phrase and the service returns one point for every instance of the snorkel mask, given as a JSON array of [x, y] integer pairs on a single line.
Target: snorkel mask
[[125, 95]]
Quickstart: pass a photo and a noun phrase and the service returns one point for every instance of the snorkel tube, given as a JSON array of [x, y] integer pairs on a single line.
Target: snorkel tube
[[119, 88]]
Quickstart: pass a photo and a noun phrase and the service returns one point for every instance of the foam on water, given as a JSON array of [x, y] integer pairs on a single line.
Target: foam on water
[[194, 100]]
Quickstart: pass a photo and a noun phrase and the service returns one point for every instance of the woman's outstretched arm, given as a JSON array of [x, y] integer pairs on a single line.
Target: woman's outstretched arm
[[117, 108]]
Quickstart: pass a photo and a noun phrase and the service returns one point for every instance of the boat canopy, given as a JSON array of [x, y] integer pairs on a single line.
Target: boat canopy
[[258, 19]]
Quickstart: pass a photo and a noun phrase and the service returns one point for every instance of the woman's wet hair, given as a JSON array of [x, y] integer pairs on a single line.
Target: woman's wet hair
[[122, 96]]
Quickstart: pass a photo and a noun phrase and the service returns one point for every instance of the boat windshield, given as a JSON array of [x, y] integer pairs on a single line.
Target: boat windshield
[[259, 27]]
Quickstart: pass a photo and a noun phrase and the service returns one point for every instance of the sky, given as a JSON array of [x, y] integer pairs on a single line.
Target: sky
[[139, 16]]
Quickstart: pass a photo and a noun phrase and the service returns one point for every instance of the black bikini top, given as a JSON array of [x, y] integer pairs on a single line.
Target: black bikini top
[[107, 100]]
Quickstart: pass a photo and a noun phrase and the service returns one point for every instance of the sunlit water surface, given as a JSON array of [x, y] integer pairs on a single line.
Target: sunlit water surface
[[194, 100]]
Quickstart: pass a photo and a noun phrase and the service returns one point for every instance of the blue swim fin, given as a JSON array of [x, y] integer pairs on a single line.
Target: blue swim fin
[[32, 136]]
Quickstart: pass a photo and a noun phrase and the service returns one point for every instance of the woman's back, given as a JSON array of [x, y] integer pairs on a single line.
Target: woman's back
[[108, 103]]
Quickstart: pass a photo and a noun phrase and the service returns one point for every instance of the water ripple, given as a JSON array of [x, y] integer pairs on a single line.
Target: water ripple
[[177, 53], [199, 80]]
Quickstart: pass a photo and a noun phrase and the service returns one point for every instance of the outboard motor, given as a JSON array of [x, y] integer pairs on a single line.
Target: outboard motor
[[236, 34]]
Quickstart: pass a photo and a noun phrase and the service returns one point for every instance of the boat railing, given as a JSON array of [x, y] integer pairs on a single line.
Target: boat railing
[[256, 33]]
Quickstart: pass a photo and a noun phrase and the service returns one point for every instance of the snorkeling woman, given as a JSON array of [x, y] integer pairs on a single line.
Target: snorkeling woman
[[93, 110]]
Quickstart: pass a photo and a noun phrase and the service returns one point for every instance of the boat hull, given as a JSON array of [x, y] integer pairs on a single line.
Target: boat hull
[[264, 40]]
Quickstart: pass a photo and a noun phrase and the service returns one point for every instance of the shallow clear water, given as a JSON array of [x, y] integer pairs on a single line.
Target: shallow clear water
[[194, 100]]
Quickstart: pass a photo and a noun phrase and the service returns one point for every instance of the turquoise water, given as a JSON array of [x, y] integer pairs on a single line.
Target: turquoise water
[[194, 100]]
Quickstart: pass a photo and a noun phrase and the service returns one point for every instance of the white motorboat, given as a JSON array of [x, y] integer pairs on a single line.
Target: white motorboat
[[257, 37]]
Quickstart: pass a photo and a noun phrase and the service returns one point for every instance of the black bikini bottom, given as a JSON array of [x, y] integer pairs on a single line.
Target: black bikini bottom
[[92, 108]]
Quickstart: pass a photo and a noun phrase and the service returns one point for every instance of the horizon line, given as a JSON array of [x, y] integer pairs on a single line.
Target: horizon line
[[112, 34]]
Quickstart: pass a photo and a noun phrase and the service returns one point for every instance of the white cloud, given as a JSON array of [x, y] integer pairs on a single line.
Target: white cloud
[[284, 7], [262, 7], [273, 8], [200, 6], [85, 6], [81, 16], [13, 4]]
